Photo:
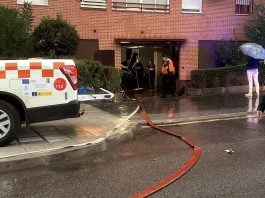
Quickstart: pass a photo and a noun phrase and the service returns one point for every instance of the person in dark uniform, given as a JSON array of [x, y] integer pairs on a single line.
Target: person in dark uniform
[[128, 78], [124, 70], [139, 73], [151, 74], [127, 81], [168, 76], [132, 61]]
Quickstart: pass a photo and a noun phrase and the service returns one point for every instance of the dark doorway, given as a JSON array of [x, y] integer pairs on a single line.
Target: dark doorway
[[152, 49]]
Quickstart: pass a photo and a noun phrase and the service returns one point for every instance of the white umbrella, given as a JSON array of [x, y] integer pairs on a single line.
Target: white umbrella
[[254, 50]]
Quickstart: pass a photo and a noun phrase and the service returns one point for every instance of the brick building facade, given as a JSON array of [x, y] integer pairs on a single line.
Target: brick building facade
[[113, 23]]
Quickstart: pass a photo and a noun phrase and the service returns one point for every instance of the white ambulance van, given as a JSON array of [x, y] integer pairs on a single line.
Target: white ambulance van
[[36, 90]]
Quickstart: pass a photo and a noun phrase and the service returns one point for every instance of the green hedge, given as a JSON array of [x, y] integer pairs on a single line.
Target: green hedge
[[96, 75], [223, 77]]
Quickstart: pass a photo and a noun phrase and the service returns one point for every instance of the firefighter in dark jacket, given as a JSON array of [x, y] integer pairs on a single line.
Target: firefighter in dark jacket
[[168, 76], [151, 74], [138, 69]]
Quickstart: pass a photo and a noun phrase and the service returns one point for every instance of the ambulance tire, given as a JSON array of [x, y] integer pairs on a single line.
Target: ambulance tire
[[10, 114]]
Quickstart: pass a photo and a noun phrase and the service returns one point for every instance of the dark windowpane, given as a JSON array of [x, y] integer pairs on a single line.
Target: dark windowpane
[[106, 57], [86, 49]]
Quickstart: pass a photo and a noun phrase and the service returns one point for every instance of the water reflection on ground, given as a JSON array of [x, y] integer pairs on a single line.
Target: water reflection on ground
[[183, 107]]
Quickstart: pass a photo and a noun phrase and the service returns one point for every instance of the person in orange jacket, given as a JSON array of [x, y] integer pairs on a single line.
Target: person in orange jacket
[[168, 76]]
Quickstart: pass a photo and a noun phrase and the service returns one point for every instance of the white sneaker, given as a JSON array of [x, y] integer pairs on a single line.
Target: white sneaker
[[248, 95]]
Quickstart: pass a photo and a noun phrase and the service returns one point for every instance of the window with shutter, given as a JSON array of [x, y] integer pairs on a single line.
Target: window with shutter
[[141, 5], [191, 6], [98, 4], [243, 7]]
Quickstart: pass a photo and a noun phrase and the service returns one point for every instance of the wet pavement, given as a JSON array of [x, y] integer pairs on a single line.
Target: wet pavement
[[219, 174], [181, 109], [129, 167], [94, 126], [104, 116]]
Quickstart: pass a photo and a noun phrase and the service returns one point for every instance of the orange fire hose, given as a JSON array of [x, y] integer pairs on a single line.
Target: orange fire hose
[[180, 171]]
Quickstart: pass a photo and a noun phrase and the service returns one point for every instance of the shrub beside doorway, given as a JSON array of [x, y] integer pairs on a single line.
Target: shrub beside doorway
[[219, 80], [95, 75]]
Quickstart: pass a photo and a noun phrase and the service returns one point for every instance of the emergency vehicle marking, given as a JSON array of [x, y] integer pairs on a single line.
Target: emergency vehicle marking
[[47, 73], [11, 66], [37, 87], [44, 93], [56, 65], [2, 74], [25, 81], [60, 84], [25, 71], [35, 65]]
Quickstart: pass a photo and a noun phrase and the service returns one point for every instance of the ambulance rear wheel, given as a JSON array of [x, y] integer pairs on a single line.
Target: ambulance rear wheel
[[10, 122]]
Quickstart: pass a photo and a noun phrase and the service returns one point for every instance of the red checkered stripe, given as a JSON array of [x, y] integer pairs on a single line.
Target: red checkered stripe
[[26, 73]]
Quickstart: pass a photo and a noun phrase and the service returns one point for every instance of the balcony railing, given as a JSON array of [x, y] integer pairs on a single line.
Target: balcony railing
[[142, 7], [98, 4]]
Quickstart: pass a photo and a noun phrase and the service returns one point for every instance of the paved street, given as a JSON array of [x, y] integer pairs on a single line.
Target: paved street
[[129, 167]]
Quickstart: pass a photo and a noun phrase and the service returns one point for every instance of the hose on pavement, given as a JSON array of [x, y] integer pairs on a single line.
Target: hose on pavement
[[180, 171]]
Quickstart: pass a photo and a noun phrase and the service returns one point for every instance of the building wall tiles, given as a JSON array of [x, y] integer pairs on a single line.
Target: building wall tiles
[[217, 21]]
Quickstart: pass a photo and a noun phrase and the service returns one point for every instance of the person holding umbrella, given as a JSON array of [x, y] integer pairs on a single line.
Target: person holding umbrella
[[255, 53], [253, 74]]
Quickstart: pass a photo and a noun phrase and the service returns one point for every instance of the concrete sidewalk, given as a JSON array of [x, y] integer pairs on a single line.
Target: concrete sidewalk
[[94, 127]]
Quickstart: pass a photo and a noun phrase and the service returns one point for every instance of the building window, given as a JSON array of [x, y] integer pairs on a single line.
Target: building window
[[244, 6], [98, 4], [141, 5], [191, 6], [106, 57], [33, 2]]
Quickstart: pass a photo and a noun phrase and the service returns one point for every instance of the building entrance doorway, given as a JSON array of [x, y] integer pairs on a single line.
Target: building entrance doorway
[[152, 50]]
